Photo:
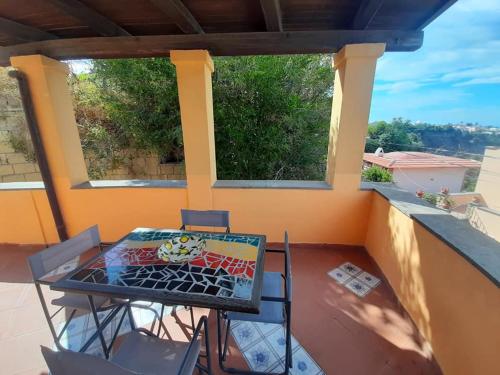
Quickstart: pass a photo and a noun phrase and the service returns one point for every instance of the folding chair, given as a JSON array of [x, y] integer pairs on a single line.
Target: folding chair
[[275, 308], [140, 352], [210, 218], [46, 262]]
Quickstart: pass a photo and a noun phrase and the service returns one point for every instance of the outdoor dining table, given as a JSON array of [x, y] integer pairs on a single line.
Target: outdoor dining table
[[213, 270]]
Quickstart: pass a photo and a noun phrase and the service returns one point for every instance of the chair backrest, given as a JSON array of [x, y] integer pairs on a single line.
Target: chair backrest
[[49, 259], [210, 218], [66, 362], [288, 269]]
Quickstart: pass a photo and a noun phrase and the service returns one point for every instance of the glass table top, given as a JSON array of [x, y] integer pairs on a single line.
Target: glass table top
[[198, 268]]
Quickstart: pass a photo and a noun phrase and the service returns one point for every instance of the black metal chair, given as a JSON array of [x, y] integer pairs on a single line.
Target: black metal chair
[[44, 266], [275, 307], [209, 218], [140, 352]]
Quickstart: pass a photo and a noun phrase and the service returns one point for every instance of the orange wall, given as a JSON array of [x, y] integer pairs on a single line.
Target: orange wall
[[25, 217], [453, 304], [311, 216]]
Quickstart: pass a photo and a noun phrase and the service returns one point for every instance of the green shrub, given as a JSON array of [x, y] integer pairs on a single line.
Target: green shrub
[[377, 174]]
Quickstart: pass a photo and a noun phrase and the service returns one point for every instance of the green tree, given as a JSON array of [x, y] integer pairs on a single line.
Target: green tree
[[376, 174], [271, 113], [272, 116], [397, 135], [139, 97]]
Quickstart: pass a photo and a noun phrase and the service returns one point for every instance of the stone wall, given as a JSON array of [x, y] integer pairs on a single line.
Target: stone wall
[[15, 166], [146, 167]]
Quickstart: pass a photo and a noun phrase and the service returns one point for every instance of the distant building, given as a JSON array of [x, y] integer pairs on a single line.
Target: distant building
[[414, 171]]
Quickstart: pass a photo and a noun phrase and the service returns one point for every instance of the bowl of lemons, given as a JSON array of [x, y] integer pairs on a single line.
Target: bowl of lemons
[[181, 248]]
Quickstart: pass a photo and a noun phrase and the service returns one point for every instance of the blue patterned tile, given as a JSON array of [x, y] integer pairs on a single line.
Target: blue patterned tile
[[339, 275], [350, 268], [260, 357], [245, 335], [262, 343], [368, 279], [303, 364]]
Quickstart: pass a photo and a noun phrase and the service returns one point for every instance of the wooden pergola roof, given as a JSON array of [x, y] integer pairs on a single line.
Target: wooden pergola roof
[[66, 29]]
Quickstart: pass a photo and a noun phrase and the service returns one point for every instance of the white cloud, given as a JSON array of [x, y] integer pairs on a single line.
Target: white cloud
[[461, 47]]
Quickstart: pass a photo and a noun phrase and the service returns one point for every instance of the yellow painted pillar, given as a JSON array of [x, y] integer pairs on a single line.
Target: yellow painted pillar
[[194, 81], [355, 70], [53, 108], [50, 93]]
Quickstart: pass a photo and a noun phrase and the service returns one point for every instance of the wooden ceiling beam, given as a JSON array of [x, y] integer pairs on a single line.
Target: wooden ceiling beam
[[22, 32], [180, 15], [272, 14], [365, 13], [225, 44], [89, 17]]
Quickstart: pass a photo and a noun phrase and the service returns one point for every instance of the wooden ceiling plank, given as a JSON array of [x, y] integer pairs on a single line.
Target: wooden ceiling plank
[[88, 16], [435, 13], [272, 14], [180, 15], [365, 13], [219, 44], [23, 32]]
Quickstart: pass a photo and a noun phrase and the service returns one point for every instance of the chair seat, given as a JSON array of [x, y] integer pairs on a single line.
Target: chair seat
[[270, 312], [151, 355], [75, 363], [79, 301]]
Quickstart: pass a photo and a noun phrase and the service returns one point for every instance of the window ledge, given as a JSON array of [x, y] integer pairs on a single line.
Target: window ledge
[[34, 185], [120, 184], [271, 184], [480, 250]]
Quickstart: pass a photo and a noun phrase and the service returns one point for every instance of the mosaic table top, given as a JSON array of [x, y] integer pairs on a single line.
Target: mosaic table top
[[215, 270]]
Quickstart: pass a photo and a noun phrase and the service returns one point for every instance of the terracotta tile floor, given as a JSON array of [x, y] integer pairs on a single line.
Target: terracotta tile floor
[[343, 333]]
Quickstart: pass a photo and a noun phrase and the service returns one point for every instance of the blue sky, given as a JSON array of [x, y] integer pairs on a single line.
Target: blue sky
[[454, 77]]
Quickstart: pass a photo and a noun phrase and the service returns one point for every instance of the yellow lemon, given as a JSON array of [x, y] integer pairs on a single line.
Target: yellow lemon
[[184, 239]]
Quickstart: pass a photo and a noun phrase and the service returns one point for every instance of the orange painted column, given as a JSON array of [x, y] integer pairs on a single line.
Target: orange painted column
[[194, 81], [354, 74], [53, 107]]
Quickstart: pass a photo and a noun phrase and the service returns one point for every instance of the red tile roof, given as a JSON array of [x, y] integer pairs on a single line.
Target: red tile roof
[[423, 160]]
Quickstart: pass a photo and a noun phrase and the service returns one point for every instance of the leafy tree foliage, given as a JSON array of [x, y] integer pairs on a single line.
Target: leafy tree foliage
[[272, 116], [403, 135], [394, 136], [271, 113], [376, 174]]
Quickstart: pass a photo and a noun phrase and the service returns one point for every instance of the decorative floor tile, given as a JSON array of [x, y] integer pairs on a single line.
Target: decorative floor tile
[[260, 357], [350, 268], [358, 287], [304, 364], [264, 348], [354, 278], [265, 328], [339, 275], [368, 279], [277, 340], [245, 335]]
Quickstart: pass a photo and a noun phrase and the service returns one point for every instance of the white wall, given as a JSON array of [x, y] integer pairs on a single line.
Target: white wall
[[429, 179], [488, 182]]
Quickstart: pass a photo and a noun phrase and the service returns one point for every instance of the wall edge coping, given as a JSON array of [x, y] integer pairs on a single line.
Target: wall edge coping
[[22, 185], [480, 250], [272, 184], [127, 184]]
